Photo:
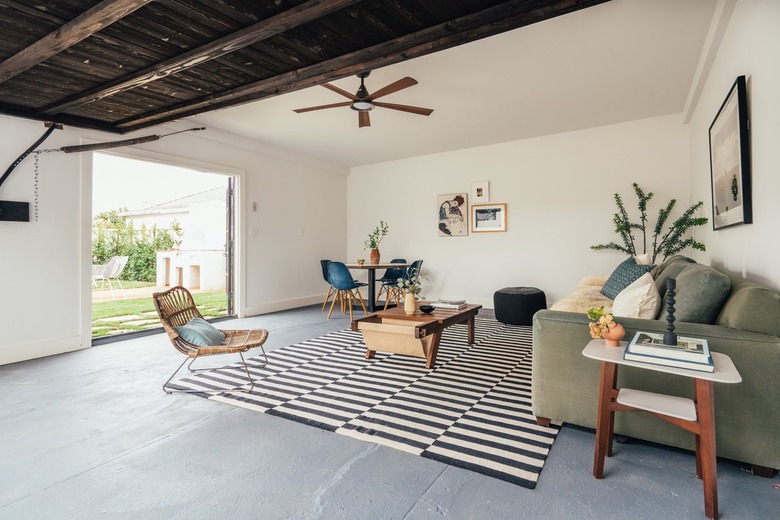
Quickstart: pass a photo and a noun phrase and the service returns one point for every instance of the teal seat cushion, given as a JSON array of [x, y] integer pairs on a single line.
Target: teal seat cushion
[[200, 332], [699, 294], [624, 275]]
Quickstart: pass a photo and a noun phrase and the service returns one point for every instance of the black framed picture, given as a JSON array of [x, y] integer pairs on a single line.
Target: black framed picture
[[730, 160]]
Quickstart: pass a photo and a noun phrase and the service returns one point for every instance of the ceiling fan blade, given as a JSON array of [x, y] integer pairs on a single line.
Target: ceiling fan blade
[[406, 108], [363, 119], [337, 90], [320, 107], [393, 87]]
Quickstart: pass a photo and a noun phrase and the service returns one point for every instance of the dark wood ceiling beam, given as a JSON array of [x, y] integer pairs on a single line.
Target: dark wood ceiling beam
[[301, 14], [81, 27], [494, 20]]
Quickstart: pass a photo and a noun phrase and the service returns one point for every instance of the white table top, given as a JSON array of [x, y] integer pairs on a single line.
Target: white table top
[[725, 371]]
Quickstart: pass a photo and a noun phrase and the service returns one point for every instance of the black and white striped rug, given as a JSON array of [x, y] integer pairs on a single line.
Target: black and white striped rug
[[472, 411]]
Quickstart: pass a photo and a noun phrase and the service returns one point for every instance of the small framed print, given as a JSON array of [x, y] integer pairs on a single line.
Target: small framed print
[[480, 192], [487, 218]]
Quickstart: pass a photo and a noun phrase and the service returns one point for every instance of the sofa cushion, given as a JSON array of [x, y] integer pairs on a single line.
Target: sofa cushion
[[638, 300], [751, 307], [699, 295], [623, 276], [669, 268]]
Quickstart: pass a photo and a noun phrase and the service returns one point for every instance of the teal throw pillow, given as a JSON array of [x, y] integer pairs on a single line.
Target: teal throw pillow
[[624, 275], [699, 294], [200, 332]]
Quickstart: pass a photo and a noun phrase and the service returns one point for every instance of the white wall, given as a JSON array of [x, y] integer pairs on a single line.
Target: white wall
[[559, 190], [750, 47], [45, 265]]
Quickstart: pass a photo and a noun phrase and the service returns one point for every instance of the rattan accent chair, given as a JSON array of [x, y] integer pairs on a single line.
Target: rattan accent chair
[[176, 308]]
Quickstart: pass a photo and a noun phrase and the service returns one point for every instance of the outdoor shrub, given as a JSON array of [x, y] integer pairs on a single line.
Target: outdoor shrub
[[112, 235]]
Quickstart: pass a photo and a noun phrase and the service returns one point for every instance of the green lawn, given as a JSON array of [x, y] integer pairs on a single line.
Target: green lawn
[[138, 314]]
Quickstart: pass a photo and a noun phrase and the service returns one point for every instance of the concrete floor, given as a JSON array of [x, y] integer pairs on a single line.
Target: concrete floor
[[90, 434]]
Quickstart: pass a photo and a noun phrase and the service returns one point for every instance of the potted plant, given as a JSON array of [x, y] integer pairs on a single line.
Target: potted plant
[[411, 286], [603, 325], [374, 238]]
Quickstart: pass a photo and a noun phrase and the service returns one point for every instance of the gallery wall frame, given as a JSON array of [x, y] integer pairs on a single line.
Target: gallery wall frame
[[453, 215], [488, 218], [730, 160], [480, 192]]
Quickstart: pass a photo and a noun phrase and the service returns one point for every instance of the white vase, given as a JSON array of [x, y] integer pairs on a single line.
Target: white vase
[[410, 303]]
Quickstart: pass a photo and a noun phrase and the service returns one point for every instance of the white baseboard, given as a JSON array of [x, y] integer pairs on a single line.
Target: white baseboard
[[282, 305], [15, 353]]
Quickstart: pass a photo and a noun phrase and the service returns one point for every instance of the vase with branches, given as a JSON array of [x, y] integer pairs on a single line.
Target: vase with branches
[[373, 240], [666, 242]]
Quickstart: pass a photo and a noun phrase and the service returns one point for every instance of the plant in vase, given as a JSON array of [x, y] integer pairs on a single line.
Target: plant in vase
[[603, 325], [411, 285], [373, 240]]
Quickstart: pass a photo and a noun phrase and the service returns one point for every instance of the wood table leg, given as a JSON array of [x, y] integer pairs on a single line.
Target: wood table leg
[[705, 411], [470, 337], [431, 360], [605, 418], [370, 353]]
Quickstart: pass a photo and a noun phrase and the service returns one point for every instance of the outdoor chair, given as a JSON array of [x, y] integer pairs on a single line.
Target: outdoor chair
[[108, 272], [194, 337]]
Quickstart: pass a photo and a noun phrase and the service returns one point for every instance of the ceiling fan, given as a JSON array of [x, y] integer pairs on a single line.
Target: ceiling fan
[[363, 102]]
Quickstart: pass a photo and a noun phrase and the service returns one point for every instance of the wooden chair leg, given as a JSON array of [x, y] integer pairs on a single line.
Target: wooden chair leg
[[333, 303], [349, 302], [361, 302], [330, 288]]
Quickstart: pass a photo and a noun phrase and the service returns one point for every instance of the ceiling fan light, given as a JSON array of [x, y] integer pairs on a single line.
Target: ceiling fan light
[[362, 106]]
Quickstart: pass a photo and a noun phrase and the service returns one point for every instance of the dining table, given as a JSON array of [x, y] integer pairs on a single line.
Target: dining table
[[371, 268]]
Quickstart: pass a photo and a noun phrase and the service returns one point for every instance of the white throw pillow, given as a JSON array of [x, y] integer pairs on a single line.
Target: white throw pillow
[[638, 300], [643, 259]]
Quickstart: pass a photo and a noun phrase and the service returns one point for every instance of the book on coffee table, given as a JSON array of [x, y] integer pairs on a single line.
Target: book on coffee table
[[449, 304]]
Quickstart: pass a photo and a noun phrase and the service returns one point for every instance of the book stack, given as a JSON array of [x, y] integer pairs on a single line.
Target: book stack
[[690, 353], [449, 304]]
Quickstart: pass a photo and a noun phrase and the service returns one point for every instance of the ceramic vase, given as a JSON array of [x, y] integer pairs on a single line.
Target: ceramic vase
[[410, 303], [613, 336], [374, 256]]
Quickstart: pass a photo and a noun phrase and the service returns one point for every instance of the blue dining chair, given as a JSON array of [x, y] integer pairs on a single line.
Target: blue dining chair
[[390, 280], [324, 264], [347, 290]]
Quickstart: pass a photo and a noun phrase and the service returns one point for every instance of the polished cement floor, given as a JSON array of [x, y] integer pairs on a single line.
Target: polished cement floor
[[90, 435]]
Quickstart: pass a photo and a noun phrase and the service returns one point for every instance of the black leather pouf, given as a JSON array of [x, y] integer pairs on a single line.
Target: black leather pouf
[[517, 305]]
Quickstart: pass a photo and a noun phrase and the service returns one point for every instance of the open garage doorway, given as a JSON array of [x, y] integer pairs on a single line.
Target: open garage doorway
[[155, 226]]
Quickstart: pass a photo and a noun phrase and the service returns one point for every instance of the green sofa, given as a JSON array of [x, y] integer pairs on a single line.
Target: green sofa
[[746, 327]]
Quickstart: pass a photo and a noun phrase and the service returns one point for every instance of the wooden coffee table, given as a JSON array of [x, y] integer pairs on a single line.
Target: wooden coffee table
[[415, 334]]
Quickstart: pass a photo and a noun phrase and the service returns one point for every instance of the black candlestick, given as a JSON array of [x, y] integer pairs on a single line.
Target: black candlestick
[[670, 338]]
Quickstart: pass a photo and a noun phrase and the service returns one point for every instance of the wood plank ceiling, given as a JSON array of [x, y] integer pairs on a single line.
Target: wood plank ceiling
[[123, 65]]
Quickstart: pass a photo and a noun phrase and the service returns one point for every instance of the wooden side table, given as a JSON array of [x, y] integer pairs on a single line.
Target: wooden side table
[[696, 416]]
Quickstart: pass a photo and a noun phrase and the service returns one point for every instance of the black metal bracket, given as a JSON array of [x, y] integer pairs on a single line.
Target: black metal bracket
[[12, 211]]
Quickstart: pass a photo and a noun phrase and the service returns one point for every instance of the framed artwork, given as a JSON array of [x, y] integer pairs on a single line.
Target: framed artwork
[[488, 218], [730, 161], [480, 192], [453, 215]]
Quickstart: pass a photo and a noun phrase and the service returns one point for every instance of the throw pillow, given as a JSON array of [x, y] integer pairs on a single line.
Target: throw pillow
[[638, 300], [643, 259], [623, 276], [200, 332], [699, 294], [670, 268]]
